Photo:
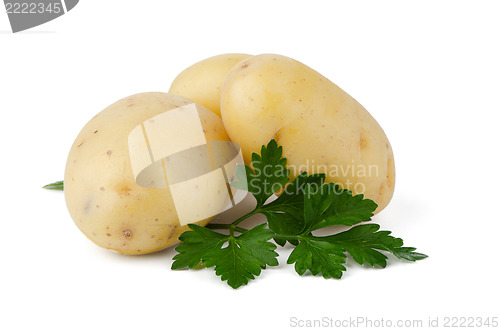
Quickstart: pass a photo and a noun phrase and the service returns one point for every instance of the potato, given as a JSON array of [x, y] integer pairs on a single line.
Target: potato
[[322, 128], [202, 81], [101, 192]]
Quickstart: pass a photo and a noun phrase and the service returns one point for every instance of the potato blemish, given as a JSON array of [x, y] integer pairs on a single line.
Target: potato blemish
[[86, 207], [172, 231], [363, 141], [124, 191], [127, 233], [390, 174]]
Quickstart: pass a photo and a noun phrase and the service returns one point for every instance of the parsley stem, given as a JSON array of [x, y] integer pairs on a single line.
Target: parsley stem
[[244, 217], [234, 226], [226, 226], [304, 237], [240, 230]]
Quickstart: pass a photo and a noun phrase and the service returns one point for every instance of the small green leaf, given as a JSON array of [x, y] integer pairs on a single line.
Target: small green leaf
[[283, 223], [407, 253], [285, 215], [363, 243], [195, 244], [316, 202], [59, 186], [326, 255], [268, 175], [291, 200], [241, 260], [318, 257], [331, 205]]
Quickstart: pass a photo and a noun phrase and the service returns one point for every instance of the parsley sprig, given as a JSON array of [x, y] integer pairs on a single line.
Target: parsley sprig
[[304, 205], [58, 186]]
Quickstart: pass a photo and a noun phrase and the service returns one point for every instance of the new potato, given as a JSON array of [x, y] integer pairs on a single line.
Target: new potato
[[322, 128], [100, 189], [202, 82]]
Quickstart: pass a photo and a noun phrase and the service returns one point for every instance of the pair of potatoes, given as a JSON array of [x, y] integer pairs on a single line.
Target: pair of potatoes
[[248, 99]]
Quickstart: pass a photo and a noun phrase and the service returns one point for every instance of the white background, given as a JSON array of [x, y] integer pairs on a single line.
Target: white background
[[428, 71]]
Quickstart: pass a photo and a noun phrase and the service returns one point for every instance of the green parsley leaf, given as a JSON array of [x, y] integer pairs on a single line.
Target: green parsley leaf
[[286, 214], [268, 175], [241, 260], [195, 244], [318, 257], [361, 242], [331, 205], [58, 186], [326, 255]]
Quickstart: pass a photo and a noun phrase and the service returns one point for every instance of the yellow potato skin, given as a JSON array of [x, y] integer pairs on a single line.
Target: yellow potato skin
[[321, 127], [202, 82], [100, 189]]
